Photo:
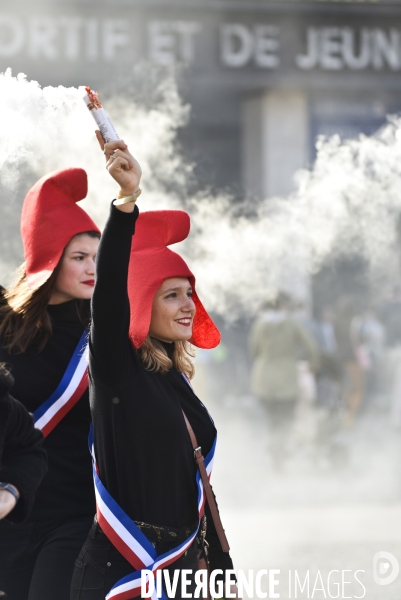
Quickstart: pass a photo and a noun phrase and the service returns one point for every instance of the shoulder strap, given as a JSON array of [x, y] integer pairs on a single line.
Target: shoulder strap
[[199, 459]]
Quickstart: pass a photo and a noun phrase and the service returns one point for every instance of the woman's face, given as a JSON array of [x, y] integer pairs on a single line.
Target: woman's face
[[173, 311], [76, 277]]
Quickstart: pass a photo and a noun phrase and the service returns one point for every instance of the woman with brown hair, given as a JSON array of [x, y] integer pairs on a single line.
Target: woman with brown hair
[[149, 498], [43, 331]]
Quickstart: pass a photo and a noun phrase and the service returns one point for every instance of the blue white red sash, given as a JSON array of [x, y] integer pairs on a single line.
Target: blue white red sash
[[129, 540], [70, 389]]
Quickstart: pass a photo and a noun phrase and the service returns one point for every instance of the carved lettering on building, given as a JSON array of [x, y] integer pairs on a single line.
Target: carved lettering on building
[[241, 46], [63, 38], [172, 41], [166, 42], [338, 48]]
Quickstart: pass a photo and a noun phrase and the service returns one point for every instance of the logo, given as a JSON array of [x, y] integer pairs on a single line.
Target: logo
[[385, 568]]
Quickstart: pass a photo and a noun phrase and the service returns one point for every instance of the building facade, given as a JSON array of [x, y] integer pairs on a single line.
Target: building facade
[[264, 78]]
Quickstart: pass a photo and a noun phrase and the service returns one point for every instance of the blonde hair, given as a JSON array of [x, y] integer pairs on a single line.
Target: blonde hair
[[154, 357]]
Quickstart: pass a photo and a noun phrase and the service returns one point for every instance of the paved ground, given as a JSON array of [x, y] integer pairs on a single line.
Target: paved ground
[[319, 514]]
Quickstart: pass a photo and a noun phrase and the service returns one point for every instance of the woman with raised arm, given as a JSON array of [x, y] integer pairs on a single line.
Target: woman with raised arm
[[43, 332], [145, 316]]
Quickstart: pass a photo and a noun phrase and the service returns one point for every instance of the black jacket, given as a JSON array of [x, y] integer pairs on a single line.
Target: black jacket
[[142, 444], [67, 489], [23, 461]]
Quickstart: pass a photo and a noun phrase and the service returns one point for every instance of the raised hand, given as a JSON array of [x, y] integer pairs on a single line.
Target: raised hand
[[121, 165]]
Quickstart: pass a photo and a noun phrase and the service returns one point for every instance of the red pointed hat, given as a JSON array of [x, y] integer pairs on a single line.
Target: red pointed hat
[[151, 263], [50, 219]]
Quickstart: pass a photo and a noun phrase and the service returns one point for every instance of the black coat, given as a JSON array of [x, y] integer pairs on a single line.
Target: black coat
[[142, 445], [67, 489], [23, 461]]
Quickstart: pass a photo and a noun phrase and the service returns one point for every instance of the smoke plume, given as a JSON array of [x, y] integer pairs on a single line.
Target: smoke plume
[[347, 204]]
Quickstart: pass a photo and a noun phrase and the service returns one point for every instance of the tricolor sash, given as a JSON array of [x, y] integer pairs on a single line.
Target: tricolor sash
[[70, 389], [129, 540]]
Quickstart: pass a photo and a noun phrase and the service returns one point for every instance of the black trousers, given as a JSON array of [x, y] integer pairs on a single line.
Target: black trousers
[[37, 558], [99, 566]]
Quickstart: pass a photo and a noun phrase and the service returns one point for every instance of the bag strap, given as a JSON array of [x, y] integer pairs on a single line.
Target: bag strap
[[199, 459]]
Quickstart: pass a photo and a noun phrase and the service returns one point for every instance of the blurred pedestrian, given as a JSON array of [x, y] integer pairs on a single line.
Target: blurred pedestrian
[[302, 315], [373, 337], [275, 341], [353, 356], [329, 450], [390, 316], [330, 373]]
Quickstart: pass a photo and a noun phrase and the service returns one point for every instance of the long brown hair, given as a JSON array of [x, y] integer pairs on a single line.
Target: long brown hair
[[24, 320], [154, 357]]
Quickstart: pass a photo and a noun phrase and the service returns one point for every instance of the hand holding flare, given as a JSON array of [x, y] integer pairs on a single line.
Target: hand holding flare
[[120, 163], [123, 167]]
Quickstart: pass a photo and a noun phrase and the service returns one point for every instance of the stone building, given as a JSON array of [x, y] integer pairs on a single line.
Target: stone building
[[264, 77]]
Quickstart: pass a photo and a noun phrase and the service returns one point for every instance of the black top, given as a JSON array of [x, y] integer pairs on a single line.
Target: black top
[[22, 458], [67, 489], [142, 444]]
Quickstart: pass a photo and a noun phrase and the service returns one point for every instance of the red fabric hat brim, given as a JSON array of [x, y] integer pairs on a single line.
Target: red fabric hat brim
[[205, 333], [152, 263], [50, 219]]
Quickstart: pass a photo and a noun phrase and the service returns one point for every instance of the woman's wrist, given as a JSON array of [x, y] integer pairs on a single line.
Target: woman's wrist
[[131, 199], [125, 193]]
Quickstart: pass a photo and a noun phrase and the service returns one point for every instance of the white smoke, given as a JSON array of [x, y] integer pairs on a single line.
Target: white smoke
[[348, 203], [50, 128]]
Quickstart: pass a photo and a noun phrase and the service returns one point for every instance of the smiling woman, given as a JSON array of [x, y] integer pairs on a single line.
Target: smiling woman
[[173, 311], [151, 508], [43, 330]]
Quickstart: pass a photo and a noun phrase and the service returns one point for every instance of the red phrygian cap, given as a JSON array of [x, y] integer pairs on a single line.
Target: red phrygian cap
[[151, 263], [50, 218]]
